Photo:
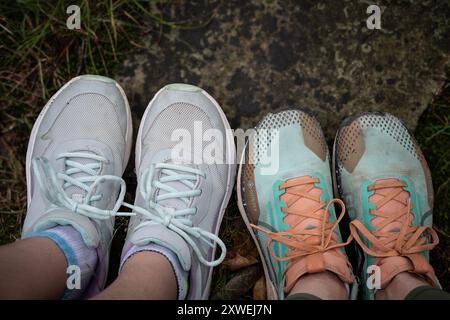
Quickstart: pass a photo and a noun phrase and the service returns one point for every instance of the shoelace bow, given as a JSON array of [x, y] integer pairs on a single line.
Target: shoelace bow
[[300, 242], [179, 220], [176, 220], [407, 241]]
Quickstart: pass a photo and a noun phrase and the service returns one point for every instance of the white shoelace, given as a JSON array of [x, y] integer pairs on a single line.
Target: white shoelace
[[179, 221], [55, 193]]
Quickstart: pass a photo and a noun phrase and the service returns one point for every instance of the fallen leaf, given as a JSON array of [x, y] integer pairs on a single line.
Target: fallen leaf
[[238, 262], [259, 290], [240, 284]]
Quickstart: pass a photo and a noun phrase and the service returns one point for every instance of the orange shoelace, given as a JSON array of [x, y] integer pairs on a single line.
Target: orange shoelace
[[300, 240], [409, 239]]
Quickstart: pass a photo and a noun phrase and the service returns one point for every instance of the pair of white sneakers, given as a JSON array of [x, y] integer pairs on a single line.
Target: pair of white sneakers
[[79, 148]]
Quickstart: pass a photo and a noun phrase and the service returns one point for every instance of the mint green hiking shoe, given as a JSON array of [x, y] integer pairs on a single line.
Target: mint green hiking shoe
[[383, 178], [285, 198]]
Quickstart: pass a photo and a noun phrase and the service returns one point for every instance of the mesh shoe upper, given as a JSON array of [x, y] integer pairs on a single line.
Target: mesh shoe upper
[[385, 182]]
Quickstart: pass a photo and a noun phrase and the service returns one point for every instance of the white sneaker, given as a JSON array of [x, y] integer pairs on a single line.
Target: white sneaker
[[180, 204], [78, 150]]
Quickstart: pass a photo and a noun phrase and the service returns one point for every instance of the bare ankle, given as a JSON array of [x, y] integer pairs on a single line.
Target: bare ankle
[[401, 286], [325, 285]]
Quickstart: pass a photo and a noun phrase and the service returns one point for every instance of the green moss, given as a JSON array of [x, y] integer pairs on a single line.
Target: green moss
[[433, 135]]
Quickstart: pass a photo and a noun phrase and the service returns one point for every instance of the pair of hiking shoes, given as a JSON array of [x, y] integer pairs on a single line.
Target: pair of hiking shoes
[[382, 188]]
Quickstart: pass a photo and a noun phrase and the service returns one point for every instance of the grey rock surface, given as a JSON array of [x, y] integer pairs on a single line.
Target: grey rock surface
[[257, 56]]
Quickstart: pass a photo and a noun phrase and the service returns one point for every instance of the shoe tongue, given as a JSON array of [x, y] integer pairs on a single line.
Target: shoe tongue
[[75, 192], [390, 208], [161, 235], [302, 205], [332, 260], [176, 204], [82, 224]]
